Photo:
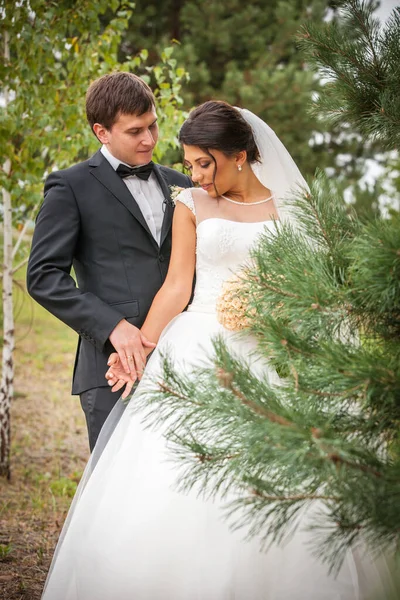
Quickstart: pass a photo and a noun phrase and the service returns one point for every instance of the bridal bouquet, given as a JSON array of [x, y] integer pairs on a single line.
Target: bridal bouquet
[[232, 304]]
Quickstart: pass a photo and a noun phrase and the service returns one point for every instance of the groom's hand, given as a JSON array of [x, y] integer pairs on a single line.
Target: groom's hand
[[130, 345]]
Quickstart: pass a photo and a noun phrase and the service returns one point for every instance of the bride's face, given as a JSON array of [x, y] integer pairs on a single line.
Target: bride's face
[[215, 177]]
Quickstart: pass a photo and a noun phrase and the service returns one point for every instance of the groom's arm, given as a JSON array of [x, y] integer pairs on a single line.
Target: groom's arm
[[49, 278]]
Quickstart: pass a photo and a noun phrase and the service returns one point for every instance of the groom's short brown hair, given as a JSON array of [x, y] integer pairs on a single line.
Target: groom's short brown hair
[[115, 94]]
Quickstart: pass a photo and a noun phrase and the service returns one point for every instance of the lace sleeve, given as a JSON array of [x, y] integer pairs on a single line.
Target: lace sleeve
[[185, 196]]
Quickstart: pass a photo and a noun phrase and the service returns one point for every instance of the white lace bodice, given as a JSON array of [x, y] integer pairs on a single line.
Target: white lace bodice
[[222, 249]]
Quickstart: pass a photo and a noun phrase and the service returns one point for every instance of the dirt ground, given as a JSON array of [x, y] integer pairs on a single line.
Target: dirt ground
[[49, 451]]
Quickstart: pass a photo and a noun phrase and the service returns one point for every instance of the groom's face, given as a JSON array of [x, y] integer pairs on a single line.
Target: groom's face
[[131, 138]]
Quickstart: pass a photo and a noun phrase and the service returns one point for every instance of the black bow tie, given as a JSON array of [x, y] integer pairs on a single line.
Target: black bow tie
[[142, 172]]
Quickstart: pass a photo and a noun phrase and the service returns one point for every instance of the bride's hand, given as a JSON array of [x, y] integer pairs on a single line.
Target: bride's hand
[[117, 377]]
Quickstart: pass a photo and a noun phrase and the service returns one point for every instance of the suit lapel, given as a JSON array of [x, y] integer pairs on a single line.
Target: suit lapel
[[103, 171], [168, 205]]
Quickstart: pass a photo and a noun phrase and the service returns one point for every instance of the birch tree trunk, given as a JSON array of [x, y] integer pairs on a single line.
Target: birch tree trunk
[[7, 375]]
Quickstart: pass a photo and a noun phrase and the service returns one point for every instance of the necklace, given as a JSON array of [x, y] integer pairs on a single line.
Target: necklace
[[246, 203]]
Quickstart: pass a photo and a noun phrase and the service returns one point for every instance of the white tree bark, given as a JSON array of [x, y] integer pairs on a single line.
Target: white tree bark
[[7, 375]]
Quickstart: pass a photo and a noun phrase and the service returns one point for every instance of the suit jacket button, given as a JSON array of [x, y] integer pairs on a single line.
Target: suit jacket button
[[161, 257]]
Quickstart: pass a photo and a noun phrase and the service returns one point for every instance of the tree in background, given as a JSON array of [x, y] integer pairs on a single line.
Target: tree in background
[[323, 300], [247, 54], [362, 73], [50, 53]]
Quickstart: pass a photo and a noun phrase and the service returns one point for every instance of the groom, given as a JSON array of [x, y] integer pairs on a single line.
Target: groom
[[110, 219]]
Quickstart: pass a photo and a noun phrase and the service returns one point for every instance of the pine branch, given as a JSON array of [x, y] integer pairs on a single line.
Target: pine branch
[[364, 25], [295, 498], [170, 391], [324, 309], [226, 380], [362, 69], [337, 459]]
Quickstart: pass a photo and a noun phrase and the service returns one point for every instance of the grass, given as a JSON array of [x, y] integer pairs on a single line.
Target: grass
[[49, 449]]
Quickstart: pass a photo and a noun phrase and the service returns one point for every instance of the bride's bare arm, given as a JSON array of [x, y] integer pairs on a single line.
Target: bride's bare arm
[[172, 297], [175, 293]]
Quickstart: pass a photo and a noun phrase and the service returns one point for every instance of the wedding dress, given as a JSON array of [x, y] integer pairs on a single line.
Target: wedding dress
[[130, 534]]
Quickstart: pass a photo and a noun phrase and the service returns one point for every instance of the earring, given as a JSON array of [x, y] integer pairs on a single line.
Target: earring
[[239, 167]]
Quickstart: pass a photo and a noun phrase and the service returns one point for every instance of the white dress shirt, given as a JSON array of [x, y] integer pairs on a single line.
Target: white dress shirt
[[148, 195]]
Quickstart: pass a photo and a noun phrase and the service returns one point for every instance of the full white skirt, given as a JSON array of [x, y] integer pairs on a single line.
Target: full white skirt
[[131, 536]]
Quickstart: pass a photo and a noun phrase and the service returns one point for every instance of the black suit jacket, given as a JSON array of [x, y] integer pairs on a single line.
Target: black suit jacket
[[89, 220]]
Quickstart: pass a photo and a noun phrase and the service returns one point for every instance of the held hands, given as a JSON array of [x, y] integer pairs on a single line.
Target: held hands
[[132, 347], [117, 376]]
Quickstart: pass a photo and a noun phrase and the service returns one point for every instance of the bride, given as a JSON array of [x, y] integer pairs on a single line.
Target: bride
[[130, 535]]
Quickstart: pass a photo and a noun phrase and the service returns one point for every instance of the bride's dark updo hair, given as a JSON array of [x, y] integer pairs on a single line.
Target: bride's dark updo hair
[[219, 126]]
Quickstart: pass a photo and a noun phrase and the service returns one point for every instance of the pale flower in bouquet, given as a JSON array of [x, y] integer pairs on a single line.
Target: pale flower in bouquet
[[233, 305]]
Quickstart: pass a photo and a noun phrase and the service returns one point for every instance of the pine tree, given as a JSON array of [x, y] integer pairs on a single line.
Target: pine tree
[[361, 62], [247, 54], [323, 301]]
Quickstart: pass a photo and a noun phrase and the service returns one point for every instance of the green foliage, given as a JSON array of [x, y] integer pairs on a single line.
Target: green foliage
[[63, 487], [5, 551], [43, 125], [361, 62], [168, 78], [247, 54], [375, 275], [323, 301]]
